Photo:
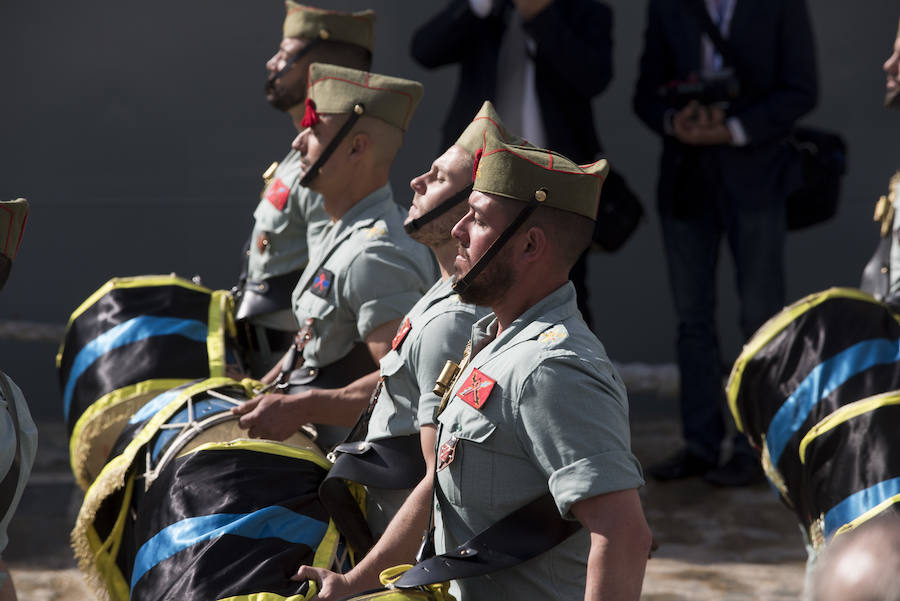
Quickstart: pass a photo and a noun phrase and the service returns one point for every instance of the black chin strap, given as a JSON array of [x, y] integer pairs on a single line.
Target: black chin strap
[[417, 223], [290, 62], [460, 285], [313, 171]]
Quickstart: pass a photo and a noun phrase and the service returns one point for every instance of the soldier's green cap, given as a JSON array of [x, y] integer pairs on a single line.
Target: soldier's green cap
[[312, 23], [473, 137], [528, 173], [13, 215], [340, 90]]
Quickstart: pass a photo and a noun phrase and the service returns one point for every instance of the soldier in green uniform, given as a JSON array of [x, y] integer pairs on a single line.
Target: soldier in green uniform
[[364, 272], [18, 435], [434, 330], [881, 276], [287, 212], [537, 407]]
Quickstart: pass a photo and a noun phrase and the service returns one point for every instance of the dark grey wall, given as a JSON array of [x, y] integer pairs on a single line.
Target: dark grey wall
[[139, 131]]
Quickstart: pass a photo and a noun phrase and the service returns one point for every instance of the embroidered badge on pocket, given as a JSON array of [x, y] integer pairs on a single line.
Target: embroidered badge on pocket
[[447, 453]]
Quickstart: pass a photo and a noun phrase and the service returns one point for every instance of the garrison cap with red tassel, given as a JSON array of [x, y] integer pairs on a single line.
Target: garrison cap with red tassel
[[341, 90], [527, 173], [311, 23]]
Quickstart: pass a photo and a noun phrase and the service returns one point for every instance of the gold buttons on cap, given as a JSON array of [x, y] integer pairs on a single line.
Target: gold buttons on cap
[[324, 34], [540, 195], [359, 109]]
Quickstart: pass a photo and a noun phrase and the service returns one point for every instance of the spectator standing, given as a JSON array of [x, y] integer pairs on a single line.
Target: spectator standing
[[724, 172], [539, 61]]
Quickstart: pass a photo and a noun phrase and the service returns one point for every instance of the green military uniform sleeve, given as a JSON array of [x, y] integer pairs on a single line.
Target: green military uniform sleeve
[[447, 337], [573, 421], [382, 284], [25, 432]]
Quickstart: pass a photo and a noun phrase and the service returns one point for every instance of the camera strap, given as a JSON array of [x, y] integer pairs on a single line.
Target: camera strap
[[697, 9]]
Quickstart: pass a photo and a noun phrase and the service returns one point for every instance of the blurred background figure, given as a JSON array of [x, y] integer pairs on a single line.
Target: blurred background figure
[[18, 435], [539, 61], [861, 565], [724, 172]]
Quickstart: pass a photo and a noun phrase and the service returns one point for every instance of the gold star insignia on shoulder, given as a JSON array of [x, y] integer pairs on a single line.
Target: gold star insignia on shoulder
[[376, 231], [553, 335]]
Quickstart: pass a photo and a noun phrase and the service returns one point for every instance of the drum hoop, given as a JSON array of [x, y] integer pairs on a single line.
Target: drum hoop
[[191, 430]]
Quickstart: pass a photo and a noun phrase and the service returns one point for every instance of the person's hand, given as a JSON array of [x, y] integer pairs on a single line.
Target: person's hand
[[273, 416], [332, 586], [699, 125], [530, 8]]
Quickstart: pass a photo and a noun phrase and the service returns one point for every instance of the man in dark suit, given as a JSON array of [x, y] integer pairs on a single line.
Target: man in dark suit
[[539, 61], [725, 172]]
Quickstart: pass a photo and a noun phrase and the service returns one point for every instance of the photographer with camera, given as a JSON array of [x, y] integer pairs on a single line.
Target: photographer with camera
[[724, 171]]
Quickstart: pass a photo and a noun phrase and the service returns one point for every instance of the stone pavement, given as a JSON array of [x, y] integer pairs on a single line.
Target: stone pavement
[[714, 544]]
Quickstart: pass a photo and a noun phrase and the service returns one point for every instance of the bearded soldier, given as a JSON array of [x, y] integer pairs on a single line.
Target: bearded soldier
[[537, 411], [287, 211]]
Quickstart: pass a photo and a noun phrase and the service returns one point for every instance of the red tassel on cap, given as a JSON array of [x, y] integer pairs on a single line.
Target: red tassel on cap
[[478, 154], [310, 117]]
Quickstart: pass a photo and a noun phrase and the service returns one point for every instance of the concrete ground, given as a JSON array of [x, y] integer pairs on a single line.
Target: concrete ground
[[714, 544]]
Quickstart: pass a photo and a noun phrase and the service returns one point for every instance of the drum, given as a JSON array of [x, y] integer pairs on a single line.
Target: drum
[[187, 508], [809, 392], [129, 341]]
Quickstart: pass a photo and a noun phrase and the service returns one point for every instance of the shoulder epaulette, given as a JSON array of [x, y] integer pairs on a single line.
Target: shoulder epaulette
[[884, 208]]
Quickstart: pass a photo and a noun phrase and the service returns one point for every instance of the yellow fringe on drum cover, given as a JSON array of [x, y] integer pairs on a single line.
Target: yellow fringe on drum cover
[[96, 558]]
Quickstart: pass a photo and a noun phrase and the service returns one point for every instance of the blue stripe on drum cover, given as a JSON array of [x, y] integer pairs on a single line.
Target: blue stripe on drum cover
[[133, 330], [822, 381], [858, 503], [200, 409], [153, 405], [271, 522]]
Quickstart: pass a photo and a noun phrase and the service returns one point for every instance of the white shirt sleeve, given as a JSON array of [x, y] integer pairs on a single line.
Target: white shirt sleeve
[[481, 8]]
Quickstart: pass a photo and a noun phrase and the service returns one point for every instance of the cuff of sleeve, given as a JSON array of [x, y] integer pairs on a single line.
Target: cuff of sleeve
[[736, 128], [481, 8], [668, 128], [379, 311], [428, 404], [592, 476]]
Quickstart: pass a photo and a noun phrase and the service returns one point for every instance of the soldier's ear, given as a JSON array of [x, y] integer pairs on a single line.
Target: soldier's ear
[[534, 244], [360, 143]]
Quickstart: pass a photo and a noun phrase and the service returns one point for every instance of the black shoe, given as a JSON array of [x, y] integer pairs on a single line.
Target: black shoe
[[682, 464], [742, 469]]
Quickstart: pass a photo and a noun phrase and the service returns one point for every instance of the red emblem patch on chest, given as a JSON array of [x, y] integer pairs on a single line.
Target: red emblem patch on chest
[[476, 389], [400, 336], [277, 194]]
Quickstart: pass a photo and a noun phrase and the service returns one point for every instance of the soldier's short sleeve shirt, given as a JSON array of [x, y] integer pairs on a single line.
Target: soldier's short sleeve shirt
[[364, 272], [540, 408], [287, 212], [435, 330]]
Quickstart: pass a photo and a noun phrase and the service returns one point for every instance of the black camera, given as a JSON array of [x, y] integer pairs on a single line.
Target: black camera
[[719, 88]]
